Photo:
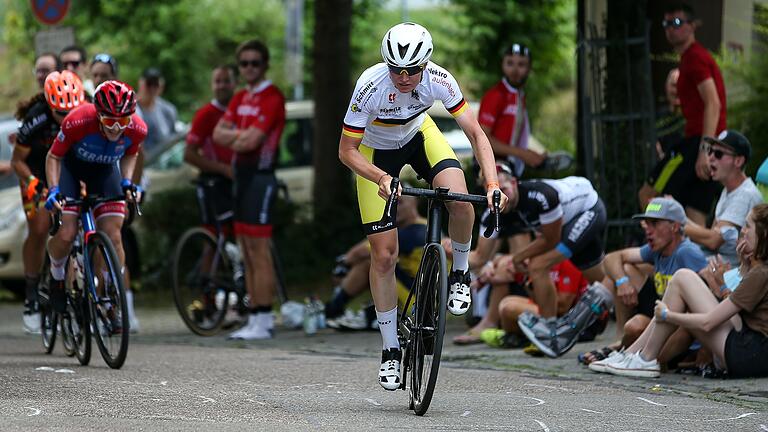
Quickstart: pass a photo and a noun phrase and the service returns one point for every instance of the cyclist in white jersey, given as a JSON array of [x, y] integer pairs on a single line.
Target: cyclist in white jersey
[[386, 127]]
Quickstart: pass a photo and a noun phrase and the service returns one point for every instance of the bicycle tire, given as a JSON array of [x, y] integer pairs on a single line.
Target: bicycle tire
[[48, 318], [80, 326], [112, 299], [426, 339], [203, 317], [65, 324]]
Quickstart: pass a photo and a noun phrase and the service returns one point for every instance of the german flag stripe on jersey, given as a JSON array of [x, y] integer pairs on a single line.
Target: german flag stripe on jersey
[[459, 108], [387, 122], [352, 131]]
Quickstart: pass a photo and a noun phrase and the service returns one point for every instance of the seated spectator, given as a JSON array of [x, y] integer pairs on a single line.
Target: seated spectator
[[354, 266], [628, 270], [159, 114], [728, 157], [734, 330]]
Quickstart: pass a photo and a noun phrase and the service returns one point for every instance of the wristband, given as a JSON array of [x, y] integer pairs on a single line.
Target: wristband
[[31, 178], [378, 183], [490, 185], [621, 281], [126, 182], [664, 313]]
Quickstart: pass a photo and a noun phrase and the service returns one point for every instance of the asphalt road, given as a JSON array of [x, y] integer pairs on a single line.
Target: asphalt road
[[173, 380]]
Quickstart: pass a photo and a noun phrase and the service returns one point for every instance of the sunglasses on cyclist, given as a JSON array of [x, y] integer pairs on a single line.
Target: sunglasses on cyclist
[[674, 22], [410, 71], [115, 123], [251, 63]]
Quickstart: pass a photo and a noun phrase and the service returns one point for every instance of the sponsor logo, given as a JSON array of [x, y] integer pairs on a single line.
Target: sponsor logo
[[581, 225], [415, 107], [510, 109], [415, 94], [354, 108], [61, 136], [538, 196], [248, 111], [90, 156], [390, 111], [392, 97], [363, 91], [381, 227], [438, 73], [445, 83]]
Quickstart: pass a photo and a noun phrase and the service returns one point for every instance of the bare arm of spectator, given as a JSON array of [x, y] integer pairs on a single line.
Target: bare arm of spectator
[[712, 105], [614, 268], [711, 238], [193, 157], [225, 133], [529, 157], [248, 140], [357, 253]]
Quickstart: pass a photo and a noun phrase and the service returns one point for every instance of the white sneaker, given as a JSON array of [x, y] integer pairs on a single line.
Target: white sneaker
[[389, 372], [459, 298], [255, 329], [633, 365], [133, 322], [31, 322], [602, 366]]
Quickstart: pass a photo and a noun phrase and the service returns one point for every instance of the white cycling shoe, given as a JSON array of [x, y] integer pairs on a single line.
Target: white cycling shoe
[[459, 298], [389, 372]]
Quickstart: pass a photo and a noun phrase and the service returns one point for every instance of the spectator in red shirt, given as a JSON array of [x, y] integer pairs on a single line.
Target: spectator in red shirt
[[684, 172], [503, 112], [251, 127]]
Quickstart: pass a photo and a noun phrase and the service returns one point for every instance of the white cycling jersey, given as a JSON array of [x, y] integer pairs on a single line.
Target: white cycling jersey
[[387, 119]]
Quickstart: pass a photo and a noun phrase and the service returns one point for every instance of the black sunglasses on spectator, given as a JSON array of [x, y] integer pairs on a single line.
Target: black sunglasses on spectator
[[410, 71], [252, 63], [674, 22], [719, 153], [74, 63]]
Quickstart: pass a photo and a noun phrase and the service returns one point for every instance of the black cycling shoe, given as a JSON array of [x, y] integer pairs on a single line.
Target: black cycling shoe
[[58, 298]]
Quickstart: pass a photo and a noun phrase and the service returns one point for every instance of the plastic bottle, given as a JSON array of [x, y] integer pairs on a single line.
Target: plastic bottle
[[79, 266], [319, 309], [310, 318]]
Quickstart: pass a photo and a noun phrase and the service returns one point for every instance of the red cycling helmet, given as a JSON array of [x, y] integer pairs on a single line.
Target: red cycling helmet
[[63, 91], [115, 99]]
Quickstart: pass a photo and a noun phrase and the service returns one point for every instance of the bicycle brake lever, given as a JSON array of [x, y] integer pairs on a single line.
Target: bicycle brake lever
[[393, 186], [496, 211]]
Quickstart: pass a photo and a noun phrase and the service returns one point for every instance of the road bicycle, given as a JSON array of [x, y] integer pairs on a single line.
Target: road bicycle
[[95, 291], [421, 324], [208, 270]]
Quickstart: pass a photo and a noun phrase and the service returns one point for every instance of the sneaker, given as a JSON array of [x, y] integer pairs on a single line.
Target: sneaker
[[601, 366], [633, 365], [389, 372], [133, 322], [542, 332], [498, 338], [459, 298], [255, 329], [31, 317]]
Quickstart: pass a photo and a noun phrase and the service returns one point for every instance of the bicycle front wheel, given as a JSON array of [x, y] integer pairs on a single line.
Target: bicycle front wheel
[[108, 307], [202, 280], [78, 324], [428, 318]]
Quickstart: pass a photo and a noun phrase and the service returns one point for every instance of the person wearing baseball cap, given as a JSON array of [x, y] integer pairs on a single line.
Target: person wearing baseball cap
[[728, 155], [635, 287]]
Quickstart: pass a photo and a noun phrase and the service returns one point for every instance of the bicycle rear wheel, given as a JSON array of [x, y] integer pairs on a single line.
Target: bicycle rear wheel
[[108, 308], [49, 320], [428, 318], [202, 280]]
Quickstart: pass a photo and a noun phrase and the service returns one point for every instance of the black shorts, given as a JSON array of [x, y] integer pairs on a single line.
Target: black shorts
[[214, 198], [254, 192], [100, 179], [646, 298], [581, 240], [745, 353], [676, 175]]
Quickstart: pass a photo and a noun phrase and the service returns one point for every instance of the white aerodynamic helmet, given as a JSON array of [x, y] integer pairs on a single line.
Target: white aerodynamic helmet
[[406, 45]]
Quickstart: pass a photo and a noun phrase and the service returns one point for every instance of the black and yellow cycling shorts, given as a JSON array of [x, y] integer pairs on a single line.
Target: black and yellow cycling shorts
[[428, 153]]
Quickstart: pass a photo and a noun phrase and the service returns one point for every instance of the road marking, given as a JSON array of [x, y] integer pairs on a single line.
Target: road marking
[[591, 411], [650, 401], [549, 387], [538, 401], [67, 371], [543, 426], [763, 427], [162, 383], [206, 399], [255, 401], [372, 402], [734, 418], [34, 412], [45, 368], [466, 413]]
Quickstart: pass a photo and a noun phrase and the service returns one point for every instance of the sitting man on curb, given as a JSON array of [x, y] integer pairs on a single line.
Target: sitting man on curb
[[353, 267], [627, 271]]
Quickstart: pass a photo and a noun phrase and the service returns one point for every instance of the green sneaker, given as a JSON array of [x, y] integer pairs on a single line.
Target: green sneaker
[[493, 337]]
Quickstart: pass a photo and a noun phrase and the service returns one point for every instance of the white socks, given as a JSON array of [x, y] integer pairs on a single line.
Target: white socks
[[461, 255], [57, 267], [388, 328]]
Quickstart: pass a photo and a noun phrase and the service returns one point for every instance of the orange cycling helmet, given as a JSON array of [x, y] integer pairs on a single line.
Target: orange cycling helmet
[[63, 91]]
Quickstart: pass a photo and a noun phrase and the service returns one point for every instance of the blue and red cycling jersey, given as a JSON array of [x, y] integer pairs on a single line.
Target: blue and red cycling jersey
[[81, 138]]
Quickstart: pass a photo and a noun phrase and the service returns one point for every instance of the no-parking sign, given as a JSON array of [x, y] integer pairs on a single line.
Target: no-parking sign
[[50, 11]]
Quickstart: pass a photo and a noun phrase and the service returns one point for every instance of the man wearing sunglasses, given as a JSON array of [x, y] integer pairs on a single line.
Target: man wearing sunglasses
[[385, 128], [97, 145], [251, 127], [728, 155], [684, 172], [74, 59]]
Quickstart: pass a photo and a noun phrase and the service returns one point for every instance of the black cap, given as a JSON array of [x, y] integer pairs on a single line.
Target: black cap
[[152, 75], [733, 140]]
